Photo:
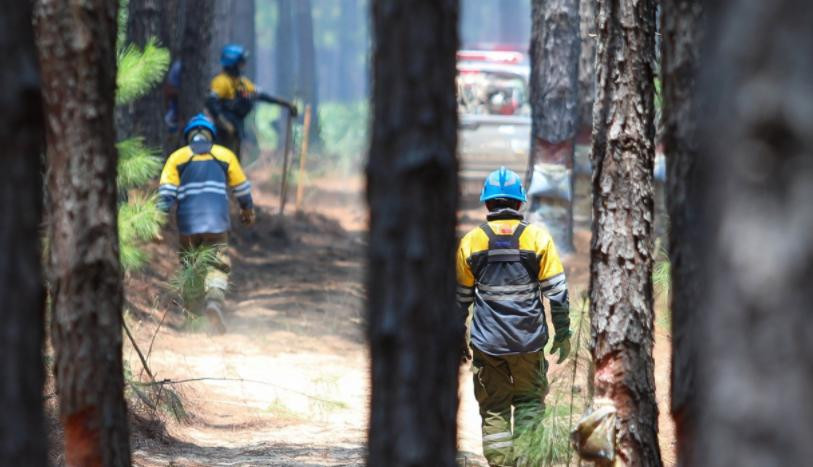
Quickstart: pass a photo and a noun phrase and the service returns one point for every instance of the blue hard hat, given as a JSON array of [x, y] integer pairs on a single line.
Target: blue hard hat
[[199, 121], [232, 55], [503, 183]]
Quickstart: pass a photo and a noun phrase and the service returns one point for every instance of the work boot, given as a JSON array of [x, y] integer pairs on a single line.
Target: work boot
[[214, 312]]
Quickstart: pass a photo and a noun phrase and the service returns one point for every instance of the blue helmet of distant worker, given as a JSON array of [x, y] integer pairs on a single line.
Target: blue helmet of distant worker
[[232, 55], [503, 184], [200, 133]]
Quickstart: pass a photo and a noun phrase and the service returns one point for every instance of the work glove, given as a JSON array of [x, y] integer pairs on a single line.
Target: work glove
[[247, 216], [293, 110], [561, 344]]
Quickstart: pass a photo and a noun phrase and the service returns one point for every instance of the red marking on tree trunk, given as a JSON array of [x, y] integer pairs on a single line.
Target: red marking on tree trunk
[[82, 439]]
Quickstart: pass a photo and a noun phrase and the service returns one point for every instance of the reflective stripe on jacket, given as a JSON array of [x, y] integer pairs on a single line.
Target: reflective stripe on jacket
[[502, 266], [199, 184]]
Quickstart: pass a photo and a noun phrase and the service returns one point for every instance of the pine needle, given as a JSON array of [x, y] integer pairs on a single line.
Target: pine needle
[[137, 163], [139, 70]]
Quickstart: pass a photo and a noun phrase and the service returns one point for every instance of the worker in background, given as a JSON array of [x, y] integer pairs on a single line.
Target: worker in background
[[197, 178], [503, 268], [233, 95]]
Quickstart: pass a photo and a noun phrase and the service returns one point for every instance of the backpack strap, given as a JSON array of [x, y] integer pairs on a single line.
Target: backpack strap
[[503, 248]]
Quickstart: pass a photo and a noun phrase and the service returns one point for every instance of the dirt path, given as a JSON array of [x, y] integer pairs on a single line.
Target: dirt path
[[292, 381]]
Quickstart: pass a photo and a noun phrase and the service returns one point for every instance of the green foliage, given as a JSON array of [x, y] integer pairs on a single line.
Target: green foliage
[[188, 282], [121, 32], [542, 437], [139, 70], [137, 163], [139, 220], [345, 127], [662, 274]]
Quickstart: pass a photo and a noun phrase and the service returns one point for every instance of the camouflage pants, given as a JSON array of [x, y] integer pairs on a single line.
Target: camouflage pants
[[210, 280], [500, 384]]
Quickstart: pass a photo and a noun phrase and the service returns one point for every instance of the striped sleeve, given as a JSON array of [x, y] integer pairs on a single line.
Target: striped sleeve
[[170, 180]]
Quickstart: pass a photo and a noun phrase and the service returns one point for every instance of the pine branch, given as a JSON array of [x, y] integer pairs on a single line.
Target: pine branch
[[140, 70], [137, 163]]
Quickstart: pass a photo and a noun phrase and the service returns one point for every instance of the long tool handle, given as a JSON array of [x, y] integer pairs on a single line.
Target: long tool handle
[[285, 160], [300, 181]]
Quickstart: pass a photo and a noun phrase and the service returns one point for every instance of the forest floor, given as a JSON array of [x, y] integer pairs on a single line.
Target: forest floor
[[289, 381]]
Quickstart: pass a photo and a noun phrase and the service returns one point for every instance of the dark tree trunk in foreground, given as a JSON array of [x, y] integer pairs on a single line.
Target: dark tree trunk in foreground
[[223, 15], [307, 76], [755, 374], [681, 29], [78, 60], [587, 64], [555, 118], [22, 430], [621, 250], [412, 192], [144, 117], [195, 53]]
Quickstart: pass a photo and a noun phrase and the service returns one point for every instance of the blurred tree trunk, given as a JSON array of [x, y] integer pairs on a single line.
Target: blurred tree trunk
[[554, 96], [412, 192], [621, 250], [221, 33], [308, 84], [587, 64], [144, 117], [172, 16], [755, 377], [243, 32], [22, 432], [195, 53], [77, 49], [681, 26], [347, 72], [285, 68]]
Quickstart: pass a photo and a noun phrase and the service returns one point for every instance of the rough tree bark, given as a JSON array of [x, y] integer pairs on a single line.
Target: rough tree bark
[[22, 430], [682, 31], [307, 76], [76, 42], [412, 193], [587, 65], [755, 377], [621, 249], [144, 117], [555, 114], [195, 48]]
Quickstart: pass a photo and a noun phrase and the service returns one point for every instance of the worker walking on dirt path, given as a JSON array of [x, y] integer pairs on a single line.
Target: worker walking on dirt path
[[196, 178], [502, 266], [233, 95]]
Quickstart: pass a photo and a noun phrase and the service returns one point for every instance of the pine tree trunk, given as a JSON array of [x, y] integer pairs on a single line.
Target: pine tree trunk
[[413, 325], [587, 64], [243, 32], [221, 33], [755, 371], [195, 53], [307, 76], [679, 63], [621, 250], [76, 43], [22, 430], [144, 117], [555, 114], [285, 70]]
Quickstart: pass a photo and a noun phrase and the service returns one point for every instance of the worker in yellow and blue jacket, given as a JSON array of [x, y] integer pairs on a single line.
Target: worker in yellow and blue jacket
[[197, 178], [504, 267], [232, 97]]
